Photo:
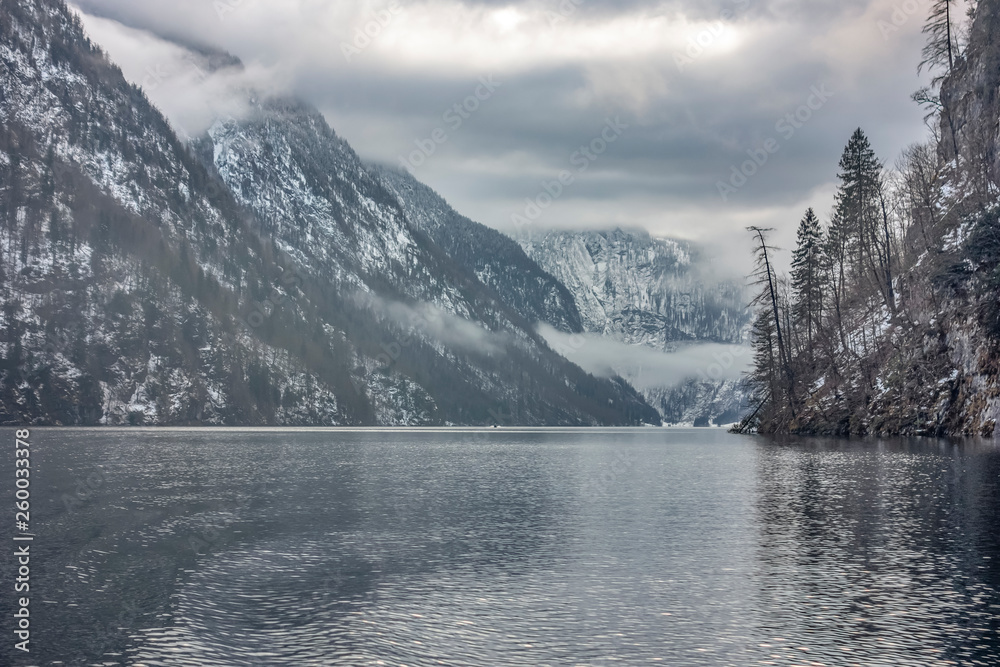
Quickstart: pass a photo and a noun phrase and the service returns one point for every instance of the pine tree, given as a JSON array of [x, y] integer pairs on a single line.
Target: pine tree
[[855, 203], [807, 278], [764, 379], [860, 241]]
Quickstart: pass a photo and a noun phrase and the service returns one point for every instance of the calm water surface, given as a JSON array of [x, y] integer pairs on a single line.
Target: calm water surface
[[464, 547]]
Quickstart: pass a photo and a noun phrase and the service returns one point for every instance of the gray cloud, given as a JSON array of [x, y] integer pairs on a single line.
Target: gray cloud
[[689, 125], [645, 367], [193, 87], [438, 324]]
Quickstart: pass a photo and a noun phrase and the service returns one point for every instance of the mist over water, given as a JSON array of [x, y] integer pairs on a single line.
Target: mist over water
[[509, 547]]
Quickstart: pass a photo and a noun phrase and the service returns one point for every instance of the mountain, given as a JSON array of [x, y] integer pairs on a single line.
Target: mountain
[[630, 287], [495, 258], [699, 402], [641, 290], [644, 291], [904, 325], [623, 285], [260, 275]]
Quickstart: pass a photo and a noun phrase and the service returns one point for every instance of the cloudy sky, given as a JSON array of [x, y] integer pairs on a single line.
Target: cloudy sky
[[642, 107]]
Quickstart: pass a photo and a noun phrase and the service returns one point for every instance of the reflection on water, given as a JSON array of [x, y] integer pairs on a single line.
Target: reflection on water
[[879, 552], [556, 547]]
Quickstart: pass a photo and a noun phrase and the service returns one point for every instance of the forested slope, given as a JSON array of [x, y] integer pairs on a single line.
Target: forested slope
[[890, 320]]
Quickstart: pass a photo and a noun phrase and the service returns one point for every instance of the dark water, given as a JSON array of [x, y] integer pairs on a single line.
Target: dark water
[[557, 547]]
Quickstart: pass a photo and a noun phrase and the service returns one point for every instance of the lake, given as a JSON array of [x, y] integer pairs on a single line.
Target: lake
[[505, 547]]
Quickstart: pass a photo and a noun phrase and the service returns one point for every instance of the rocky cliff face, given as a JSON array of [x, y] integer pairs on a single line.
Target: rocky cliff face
[[933, 366], [656, 293], [947, 377], [641, 290], [971, 97], [935, 369], [261, 275]]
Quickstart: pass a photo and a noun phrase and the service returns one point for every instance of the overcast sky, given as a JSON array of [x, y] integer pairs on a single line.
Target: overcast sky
[[681, 90]]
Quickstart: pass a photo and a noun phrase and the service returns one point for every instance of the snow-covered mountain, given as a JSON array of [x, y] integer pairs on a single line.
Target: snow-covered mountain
[[640, 290], [625, 286], [260, 275], [495, 258]]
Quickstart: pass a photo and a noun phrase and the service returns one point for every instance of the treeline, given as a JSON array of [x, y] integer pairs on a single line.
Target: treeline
[[891, 305]]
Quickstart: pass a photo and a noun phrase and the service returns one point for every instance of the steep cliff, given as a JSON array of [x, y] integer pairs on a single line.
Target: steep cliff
[[657, 293], [641, 290]]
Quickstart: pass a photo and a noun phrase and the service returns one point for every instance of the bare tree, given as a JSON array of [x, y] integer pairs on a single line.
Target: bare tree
[[767, 280], [941, 48]]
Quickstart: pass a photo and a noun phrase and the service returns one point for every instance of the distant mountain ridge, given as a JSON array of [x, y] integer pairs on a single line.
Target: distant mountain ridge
[[644, 291], [639, 289], [624, 285]]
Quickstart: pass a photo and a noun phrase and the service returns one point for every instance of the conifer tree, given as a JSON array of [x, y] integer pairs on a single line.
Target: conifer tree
[[807, 278], [861, 245], [855, 201]]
